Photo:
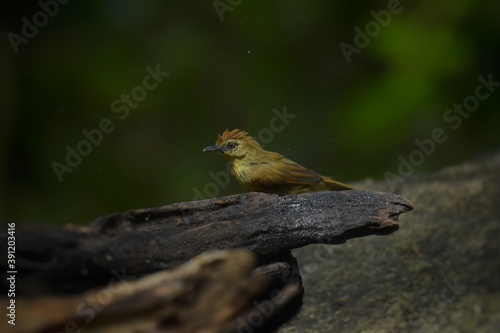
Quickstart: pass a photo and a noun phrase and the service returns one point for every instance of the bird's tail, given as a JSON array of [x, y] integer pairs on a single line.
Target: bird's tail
[[333, 185]]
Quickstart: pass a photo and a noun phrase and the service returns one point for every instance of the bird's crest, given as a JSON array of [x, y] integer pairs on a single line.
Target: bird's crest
[[227, 135]]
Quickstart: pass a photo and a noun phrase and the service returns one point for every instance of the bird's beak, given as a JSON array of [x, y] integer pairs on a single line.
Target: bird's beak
[[212, 148]]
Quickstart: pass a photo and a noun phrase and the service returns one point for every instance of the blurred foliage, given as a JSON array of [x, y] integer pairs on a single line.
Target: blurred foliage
[[353, 119]]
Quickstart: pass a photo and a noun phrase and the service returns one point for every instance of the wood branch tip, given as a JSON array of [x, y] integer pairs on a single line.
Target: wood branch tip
[[406, 205]]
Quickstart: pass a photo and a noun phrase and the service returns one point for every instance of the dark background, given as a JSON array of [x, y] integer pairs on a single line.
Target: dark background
[[353, 119]]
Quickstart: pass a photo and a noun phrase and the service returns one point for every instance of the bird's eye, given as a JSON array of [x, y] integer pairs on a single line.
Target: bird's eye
[[231, 145]]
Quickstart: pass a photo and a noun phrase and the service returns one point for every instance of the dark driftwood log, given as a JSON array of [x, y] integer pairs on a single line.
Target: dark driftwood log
[[214, 292], [142, 241]]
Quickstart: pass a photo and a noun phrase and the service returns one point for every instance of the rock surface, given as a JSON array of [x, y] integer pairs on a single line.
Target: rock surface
[[439, 273]]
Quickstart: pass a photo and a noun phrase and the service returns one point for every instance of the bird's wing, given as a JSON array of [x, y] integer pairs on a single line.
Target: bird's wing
[[282, 173]]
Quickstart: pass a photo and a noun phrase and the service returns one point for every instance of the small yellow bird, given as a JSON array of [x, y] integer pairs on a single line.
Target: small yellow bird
[[259, 170]]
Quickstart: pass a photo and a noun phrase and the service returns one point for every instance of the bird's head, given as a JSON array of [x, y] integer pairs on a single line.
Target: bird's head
[[234, 144]]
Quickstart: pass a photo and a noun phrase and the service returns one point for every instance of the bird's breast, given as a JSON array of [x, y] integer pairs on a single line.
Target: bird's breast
[[243, 174]]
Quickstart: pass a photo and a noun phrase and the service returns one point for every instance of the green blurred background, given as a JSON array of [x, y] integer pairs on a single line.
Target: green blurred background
[[353, 119]]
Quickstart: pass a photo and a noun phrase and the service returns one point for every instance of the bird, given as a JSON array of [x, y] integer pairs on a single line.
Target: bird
[[259, 170]]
